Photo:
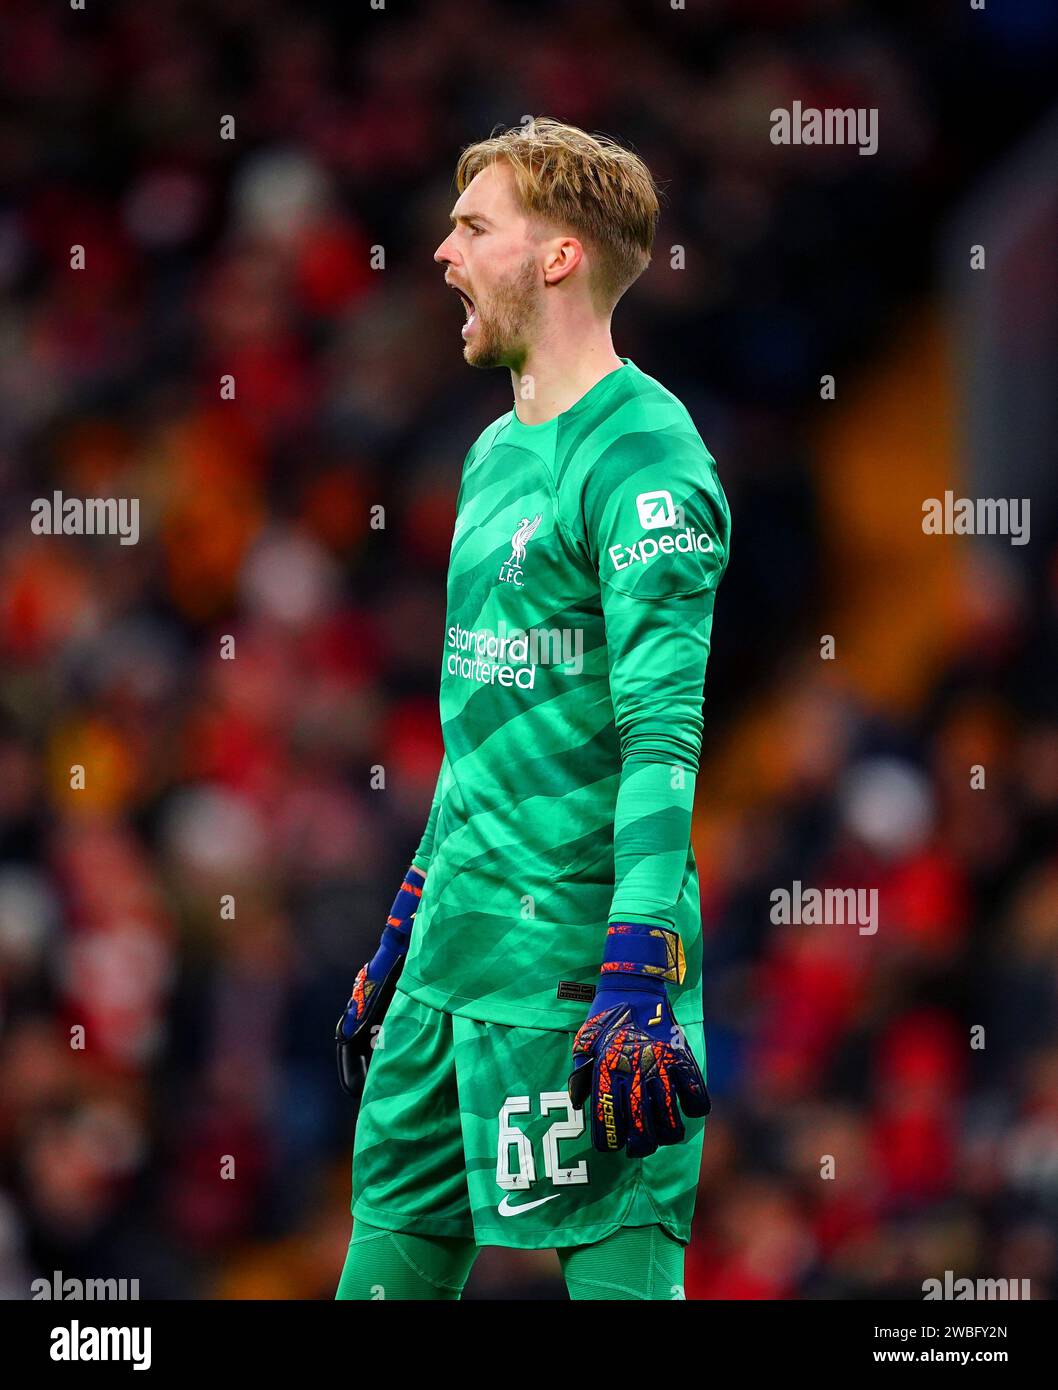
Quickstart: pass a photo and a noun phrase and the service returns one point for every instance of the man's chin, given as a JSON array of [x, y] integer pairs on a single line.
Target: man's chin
[[481, 355]]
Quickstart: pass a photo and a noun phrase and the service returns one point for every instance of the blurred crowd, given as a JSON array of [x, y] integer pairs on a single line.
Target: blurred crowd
[[251, 689]]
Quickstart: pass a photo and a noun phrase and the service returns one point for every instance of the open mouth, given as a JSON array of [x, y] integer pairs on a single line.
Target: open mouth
[[469, 306]]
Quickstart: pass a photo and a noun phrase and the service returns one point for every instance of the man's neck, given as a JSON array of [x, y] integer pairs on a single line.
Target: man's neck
[[552, 379]]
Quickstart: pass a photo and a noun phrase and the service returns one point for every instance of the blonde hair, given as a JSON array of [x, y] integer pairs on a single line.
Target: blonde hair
[[586, 183]]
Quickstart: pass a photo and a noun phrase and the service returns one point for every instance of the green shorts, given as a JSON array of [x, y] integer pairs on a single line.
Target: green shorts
[[466, 1129]]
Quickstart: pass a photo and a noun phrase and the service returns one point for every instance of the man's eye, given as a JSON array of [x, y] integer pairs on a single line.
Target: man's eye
[[475, 230]]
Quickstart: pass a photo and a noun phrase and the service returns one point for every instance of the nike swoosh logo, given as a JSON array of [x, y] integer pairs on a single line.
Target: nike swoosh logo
[[505, 1209]]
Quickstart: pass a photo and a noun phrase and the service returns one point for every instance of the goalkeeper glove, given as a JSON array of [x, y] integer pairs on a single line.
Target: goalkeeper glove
[[374, 987], [631, 1058]]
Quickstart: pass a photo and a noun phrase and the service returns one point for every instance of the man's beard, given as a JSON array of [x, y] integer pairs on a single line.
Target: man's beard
[[504, 329]]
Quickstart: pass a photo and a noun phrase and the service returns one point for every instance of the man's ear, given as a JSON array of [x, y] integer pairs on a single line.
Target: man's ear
[[563, 256]]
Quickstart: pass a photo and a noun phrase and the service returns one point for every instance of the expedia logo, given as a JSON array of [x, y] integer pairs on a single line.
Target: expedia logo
[[655, 509], [642, 552]]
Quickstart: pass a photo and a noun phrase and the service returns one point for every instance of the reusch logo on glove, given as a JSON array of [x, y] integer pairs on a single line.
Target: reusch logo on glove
[[609, 1123]]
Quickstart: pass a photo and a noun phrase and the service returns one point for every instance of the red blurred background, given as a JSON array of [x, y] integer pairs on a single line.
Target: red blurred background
[[296, 258]]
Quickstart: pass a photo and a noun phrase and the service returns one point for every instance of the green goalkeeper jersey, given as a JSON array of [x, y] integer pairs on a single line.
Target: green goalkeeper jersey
[[584, 564]]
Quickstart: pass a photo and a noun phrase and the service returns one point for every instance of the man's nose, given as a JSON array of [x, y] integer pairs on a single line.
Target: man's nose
[[443, 254]]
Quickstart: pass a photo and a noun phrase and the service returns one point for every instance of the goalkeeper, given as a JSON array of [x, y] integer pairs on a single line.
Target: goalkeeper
[[531, 1026]]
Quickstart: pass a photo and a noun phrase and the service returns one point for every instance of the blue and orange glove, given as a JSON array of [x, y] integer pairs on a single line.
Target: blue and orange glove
[[374, 987], [632, 1062]]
